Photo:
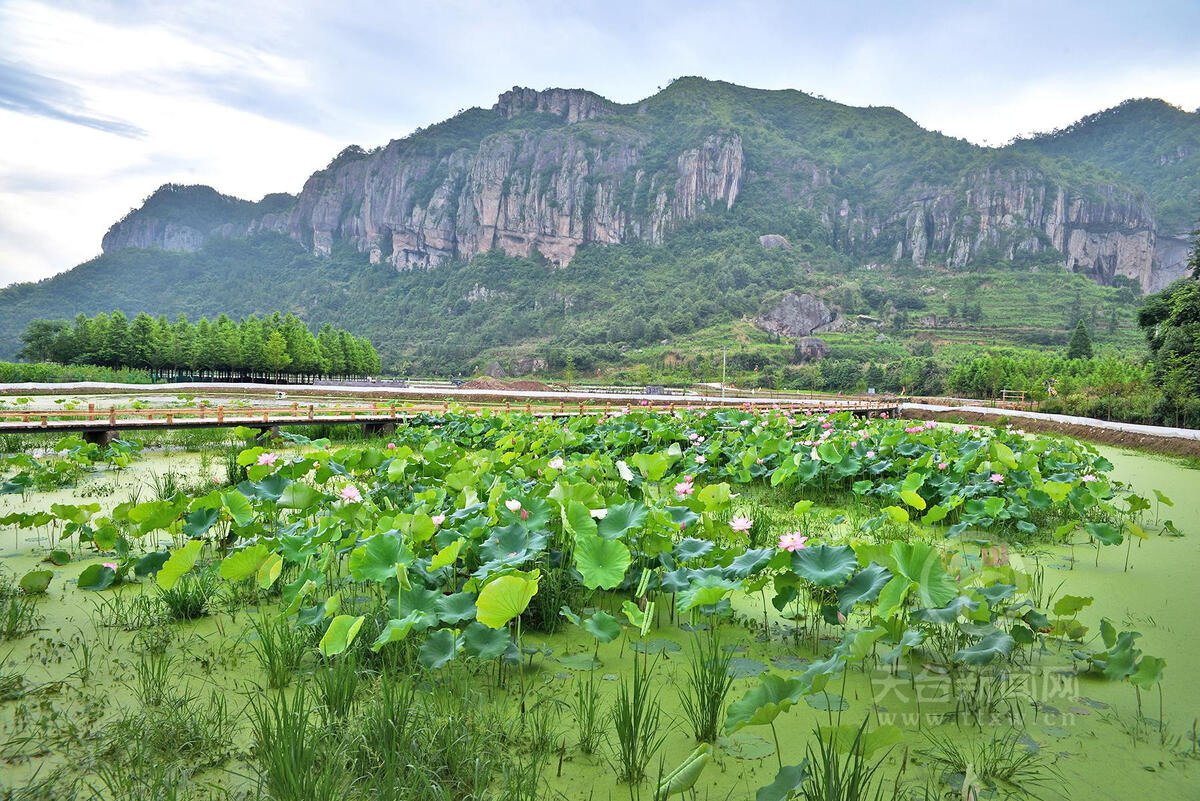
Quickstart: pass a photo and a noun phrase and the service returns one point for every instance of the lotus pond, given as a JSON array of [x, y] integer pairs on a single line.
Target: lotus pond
[[711, 605]]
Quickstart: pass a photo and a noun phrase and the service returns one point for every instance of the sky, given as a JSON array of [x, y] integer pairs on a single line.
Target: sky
[[102, 102]]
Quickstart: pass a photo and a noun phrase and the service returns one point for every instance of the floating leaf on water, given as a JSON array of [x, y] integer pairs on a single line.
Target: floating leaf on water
[[657, 646], [579, 662], [789, 662], [740, 667], [827, 702], [744, 745]]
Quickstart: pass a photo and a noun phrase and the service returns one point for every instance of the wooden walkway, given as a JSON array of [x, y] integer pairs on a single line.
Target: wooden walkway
[[103, 424]]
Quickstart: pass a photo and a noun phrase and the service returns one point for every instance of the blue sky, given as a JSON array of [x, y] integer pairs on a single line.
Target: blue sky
[[102, 102]]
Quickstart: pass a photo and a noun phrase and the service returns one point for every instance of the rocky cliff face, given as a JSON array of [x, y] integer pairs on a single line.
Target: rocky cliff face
[[1103, 231], [548, 171], [546, 190]]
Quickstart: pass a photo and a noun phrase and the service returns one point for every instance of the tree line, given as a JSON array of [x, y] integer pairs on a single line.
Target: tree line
[[221, 349]]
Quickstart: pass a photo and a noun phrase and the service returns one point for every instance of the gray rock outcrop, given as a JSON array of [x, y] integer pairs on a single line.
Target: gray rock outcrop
[[798, 316]]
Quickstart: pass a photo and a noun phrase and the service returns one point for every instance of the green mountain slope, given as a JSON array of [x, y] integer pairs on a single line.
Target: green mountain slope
[[559, 222]]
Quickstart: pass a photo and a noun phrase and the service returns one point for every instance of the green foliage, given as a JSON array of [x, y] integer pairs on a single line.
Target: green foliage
[[1171, 320], [220, 348], [1080, 346]]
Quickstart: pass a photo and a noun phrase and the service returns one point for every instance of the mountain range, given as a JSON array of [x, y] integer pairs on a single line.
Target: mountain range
[[569, 189]]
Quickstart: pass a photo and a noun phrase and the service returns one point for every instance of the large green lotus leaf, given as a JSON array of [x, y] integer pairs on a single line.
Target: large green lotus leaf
[[936, 514], [97, 577], [921, 564], [199, 521], [825, 565], [1105, 533], [446, 557], [653, 465], [948, 613], [773, 696], [1057, 490], [243, 564], [578, 520], [503, 599], [1149, 671], [484, 643], [396, 630], [376, 560], [238, 507], [268, 489], [692, 548], [788, 781], [1069, 605], [621, 518], [601, 562], [438, 649], [156, 514], [829, 453], [456, 608], [913, 499], [299, 496], [340, 634], [150, 563], [180, 562], [714, 496], [35, 582], [991, 645], [749, 562], [864, 587], [706, 591], [603, 626]]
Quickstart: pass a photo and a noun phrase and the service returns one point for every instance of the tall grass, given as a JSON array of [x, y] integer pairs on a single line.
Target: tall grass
[[293, 761], [709, 679], [636, 719]]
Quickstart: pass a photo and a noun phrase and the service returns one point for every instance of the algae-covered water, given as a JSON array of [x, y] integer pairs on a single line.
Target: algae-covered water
[[69, 679]]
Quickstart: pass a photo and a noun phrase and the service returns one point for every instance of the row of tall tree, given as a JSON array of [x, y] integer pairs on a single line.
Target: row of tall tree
[[221, 349]]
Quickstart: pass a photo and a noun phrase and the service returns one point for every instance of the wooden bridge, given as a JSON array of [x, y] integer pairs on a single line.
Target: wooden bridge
[[102, 425]]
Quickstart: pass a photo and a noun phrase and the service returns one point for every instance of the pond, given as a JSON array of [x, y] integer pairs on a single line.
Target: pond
[[558, 584]]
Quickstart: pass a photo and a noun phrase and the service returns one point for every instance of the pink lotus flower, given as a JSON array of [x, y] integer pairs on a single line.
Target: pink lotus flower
[[350, 494], [524, 514], [942, 465], [1088, 477], [438, 519], [110, 565], [267, 459], [870, 454], [693, 436], [841, 618], [684, 489], [792, 542], [996, 478], [740, 523], [513, 505], [930, 424], [391, 446], [556, 463], [701, 459], [884, 415]]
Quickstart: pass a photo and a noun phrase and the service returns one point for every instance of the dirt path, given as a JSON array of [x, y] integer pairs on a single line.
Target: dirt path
[[1160, 439]]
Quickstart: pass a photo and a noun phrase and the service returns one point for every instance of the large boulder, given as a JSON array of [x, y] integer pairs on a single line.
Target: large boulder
[[810, 349], [772, 241], [495, 370], [799, 316]]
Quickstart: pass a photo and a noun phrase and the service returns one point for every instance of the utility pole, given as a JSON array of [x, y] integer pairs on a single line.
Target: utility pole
[[722, 372]]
